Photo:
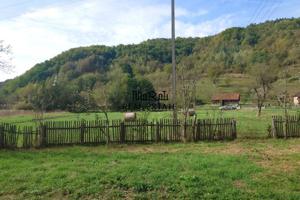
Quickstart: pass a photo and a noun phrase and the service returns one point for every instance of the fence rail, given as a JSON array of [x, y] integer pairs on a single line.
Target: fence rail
[[285, 127], [115, 131]]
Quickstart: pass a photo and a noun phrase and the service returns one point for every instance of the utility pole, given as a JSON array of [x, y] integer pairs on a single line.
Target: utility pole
[[285, 103], [173, 63], [285, 92]]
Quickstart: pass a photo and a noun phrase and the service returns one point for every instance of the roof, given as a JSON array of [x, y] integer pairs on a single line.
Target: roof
[[297, 95], [226, 96]]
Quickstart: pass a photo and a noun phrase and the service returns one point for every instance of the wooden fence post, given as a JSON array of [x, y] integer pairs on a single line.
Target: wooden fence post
[[82, 130], [194, 125], [157, 138], [1, 137], [37, 137], [43, 135], [197, 131], [274, 133], [122, 133], [185, 137], [285, 124], [107, 132], [234, 134]]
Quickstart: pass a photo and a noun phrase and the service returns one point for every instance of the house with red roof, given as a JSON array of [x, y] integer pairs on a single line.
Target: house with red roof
[[226, 98]]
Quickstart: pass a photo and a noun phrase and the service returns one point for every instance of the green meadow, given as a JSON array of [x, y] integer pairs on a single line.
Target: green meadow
[[251, 167], [242, 169]]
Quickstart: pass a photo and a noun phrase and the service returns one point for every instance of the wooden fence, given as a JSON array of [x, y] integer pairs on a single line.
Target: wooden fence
[[285, 127], [116, 131], [12, 136]]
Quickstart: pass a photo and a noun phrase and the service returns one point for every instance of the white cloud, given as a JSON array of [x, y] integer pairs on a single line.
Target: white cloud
[[40, 34], [205, 28]]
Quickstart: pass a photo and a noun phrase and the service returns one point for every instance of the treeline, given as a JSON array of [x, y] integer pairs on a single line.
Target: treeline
[[88, 93], [87, 77]]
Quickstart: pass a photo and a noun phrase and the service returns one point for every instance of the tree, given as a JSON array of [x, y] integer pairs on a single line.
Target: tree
[[104, 108], [263, 77], [5, 51], [117, 90], [120, 93], [187, 91], [142, 86], [39, 101], [52, 95], [101, 96]]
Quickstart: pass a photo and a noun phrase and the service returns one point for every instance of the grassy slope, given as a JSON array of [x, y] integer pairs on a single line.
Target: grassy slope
[[242, 84], [243, 169], [248, 124]]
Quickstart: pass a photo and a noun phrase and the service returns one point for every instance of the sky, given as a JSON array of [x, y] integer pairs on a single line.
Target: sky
[[39, 30]]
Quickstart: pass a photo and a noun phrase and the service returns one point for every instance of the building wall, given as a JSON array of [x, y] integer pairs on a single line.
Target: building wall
[[296, 101], [231, 102], [226, 102]]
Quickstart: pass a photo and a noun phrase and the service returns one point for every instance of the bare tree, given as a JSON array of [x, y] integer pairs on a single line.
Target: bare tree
[[283, 100], [5, 59], [102, 100], [263, 77], [39, 101], [43, 97], [186, 100]]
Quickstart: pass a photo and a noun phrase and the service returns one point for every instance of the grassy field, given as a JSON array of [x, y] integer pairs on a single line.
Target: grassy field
[[243, 169], [248, 124]]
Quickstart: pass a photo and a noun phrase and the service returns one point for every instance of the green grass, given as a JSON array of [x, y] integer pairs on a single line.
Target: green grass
[[244, 169], [248, 124]]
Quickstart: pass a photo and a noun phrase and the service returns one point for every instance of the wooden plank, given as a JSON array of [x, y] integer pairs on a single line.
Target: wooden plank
[[2, 143]]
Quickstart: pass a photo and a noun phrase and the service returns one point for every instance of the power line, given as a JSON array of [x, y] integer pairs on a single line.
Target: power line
[[255, 13], [272, 10], [264, 10], [258, 11]]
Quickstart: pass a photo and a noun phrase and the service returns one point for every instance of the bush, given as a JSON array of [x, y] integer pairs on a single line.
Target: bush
[[23, 106]]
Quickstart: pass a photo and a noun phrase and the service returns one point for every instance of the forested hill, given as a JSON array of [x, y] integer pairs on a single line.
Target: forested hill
[[94, 69]]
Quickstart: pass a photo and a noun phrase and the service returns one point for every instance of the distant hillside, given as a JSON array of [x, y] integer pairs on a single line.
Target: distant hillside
[[209, 59]]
